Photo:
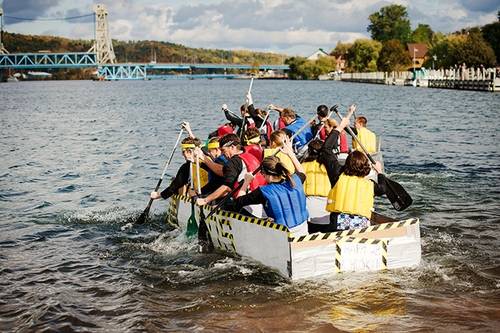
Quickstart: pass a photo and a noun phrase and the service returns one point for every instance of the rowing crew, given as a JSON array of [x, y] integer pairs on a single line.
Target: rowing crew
[[315, 195]]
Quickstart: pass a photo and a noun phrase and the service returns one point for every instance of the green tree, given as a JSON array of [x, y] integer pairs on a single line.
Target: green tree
[[422, 34], [393, 57], [363, 55], [341, 49], [491, 34], [390, 22], [303, 69], [476, 51], [294, 64]]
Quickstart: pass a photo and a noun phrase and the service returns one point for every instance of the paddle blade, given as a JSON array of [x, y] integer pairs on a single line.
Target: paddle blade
[[192, 226], [143, 217], [397, 195]]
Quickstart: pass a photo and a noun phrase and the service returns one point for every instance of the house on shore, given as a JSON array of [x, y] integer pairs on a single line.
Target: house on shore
[[418, 54]]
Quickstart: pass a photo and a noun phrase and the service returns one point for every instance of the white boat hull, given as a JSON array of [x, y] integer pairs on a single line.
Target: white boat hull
[[382, 246]]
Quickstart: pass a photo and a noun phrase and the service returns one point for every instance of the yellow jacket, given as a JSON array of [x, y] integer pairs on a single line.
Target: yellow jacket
[[367, 138], [284, 158], [317, 182], [351, 195]]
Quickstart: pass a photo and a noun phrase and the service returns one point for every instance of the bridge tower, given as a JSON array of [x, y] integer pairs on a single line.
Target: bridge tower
[[103, 46], [2, 49]]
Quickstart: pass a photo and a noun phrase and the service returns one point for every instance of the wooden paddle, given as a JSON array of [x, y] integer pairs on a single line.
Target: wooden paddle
[[192, 226], [144, 216], [397, 195]]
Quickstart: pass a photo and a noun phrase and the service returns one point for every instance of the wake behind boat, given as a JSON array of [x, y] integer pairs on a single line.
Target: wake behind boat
[[387, 245]]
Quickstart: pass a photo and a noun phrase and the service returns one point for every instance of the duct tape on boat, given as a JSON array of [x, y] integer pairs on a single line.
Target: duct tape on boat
[[339, 249], [243, 218], [352, 232]]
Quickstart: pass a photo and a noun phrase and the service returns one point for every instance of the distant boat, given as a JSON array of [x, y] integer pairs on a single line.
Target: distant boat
[[39, 75], [12, 79]]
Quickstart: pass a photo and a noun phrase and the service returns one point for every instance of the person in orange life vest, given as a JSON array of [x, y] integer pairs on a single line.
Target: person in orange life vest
[[322, 113], [367, 138], [181, 182], [252, 143], [277, 140], [342, 145], [350, 201], [283, 197], [239, 163]]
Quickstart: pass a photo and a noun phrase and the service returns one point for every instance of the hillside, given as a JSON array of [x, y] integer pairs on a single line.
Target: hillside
[[139, 51]]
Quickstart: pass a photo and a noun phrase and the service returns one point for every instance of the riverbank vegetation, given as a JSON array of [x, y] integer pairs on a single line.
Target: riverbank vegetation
[[387, 50]]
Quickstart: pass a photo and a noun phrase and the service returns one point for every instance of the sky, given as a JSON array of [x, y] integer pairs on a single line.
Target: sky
[[297, 27]]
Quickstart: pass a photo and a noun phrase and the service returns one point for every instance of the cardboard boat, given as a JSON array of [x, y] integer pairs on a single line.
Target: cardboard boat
[[386, 245]]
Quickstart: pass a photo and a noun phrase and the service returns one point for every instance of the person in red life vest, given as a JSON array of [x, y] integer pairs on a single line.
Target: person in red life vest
[[279, 124], [227, 128], [283, 195], [322, 113], [342, 145], [238, 164], [252, 143]]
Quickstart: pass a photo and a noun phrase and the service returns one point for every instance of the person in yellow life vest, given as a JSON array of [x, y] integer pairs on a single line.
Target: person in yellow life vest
[[214, 161], [367, 138], [186, 172], [350, 201], [277, 140], [322, 170]]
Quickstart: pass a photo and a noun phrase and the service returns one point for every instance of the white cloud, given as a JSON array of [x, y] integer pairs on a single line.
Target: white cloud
[[299, 26]]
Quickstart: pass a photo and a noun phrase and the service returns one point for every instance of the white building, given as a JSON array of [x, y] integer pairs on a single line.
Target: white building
[[318, 54]]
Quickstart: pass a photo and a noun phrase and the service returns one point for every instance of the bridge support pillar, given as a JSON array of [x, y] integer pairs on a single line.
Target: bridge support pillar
[[103, 46], [2, 48]]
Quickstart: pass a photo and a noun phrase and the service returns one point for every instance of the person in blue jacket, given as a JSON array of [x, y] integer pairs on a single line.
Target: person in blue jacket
[[293, 123], [283, 197]]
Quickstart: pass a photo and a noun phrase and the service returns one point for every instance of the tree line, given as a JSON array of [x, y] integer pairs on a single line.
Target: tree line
[[390, 30], [140, 51]]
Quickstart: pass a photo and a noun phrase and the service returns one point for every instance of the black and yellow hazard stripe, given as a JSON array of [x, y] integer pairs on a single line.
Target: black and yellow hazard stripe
[[352, 232], [267, 223], [384, 253], [370, 241], [338, 257], [171, 218]]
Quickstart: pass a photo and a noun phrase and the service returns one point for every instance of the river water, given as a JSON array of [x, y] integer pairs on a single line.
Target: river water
[[78, 159]]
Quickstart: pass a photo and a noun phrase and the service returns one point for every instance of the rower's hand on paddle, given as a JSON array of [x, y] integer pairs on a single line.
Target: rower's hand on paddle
[[378, 167], [287, 147], [272, 107], [198, 153], [249, 177], [185, 125], [351, 110], [192, 193], [201, 201], [155, 195], [249, 99]]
